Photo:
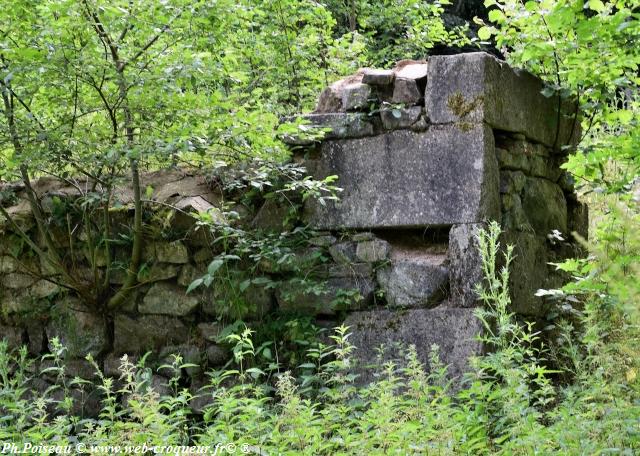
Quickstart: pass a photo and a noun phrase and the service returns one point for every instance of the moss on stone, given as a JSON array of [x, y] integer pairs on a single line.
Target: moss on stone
[[460, 107]]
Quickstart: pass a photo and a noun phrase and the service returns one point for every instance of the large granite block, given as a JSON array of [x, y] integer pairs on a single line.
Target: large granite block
[[465, 264], [454, 330], [420, 281], [477, 87], [443, 176], [529, 272]]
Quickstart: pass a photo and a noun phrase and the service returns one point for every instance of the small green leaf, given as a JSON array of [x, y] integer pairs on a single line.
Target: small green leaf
[[214, 266], [496, 15], [195, 284], [548, 92], [596, 5], [484, 33]]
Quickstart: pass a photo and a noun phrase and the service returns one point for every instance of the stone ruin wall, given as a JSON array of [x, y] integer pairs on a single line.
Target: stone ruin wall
[[426, 153]]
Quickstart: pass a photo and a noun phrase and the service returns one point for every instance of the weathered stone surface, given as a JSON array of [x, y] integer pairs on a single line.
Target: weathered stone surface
[[157, 272], [406, 91], [545, 167], [518, 144], [377, 77], [8, 264], [184, 220], [148, 332], [512, 181], [111, 365], [417, 282], [355, 96], [21, 215], [189, 273], [43, 289], [168, 299], [194, 204], [363, 236], [79, 367], [420, 125], [336, 126], [417, 71], [414, 188], [545, 206], [292, 298], [465, 265], [302, 259], [99, 257], [17, 281], [579, 219], [395, 119], [172, 252], [529, 271], [217, 355], [209, 331], [36, 333], [452, 329], [344, 95], [509, 160], [160, 385], [323, 241], [261, 301], [46, 268], [351, 270], [272, 216], [330, 100], [81, 331], [18, 302], [372, 251], [513, 215], [14, 336], [477, 87], [567, 182], [443, 176], [204, 255], [343, 252]]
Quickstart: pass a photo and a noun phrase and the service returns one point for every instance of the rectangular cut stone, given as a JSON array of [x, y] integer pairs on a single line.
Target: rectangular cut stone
[[465, 264], [377, 77], [477, 87], [443, 176], [453, 330]]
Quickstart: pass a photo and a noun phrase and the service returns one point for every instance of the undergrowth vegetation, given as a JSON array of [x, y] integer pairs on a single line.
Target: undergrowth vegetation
[[112, 89], [510, 401]]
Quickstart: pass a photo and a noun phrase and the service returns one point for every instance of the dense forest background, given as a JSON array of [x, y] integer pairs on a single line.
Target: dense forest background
[[110, 89]]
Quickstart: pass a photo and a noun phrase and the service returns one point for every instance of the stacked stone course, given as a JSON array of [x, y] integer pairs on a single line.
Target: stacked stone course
[[426, 154], [447, 145]]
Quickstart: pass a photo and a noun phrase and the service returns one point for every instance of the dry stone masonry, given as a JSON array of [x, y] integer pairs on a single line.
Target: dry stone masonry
[[426, 154]]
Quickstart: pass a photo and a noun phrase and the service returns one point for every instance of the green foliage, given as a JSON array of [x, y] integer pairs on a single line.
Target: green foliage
[[587, 51], [508, 404], [397, 30], [253, 258], [104, 89]]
